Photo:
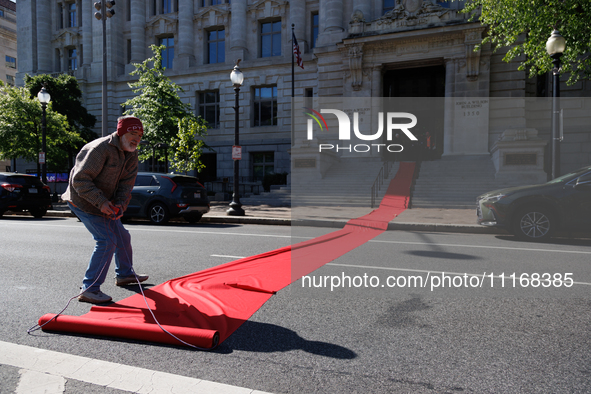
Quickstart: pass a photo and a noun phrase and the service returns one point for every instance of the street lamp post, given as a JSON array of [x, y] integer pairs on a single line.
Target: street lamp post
[[44, 99], [555, 47], [237, 78]]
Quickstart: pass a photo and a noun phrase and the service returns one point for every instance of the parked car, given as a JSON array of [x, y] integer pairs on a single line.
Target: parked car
[[160, 197], [21, 192], [536, 212]]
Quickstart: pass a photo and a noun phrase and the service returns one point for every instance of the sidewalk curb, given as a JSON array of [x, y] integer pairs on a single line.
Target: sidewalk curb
[[402, 226], [204, 219], [446, 228], [245, 220], [392, 226]]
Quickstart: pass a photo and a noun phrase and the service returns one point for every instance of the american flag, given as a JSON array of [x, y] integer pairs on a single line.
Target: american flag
[[296, 51]]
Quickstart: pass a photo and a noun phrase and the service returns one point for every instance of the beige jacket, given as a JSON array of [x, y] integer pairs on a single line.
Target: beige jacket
[[103, 172]]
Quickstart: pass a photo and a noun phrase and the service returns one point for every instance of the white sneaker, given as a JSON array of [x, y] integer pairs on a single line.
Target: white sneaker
[[94, 297]]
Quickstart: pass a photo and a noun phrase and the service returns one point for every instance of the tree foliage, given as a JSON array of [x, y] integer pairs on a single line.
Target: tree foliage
[[21, 129], [186, 147], [167, 119], [66, 99], [526, 25]]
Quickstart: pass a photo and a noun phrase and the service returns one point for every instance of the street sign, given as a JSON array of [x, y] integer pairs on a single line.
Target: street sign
[[236, 152], [41, 157]]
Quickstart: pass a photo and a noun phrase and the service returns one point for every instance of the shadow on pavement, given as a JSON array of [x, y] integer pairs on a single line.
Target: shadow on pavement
[[137, 222], [21, 218], [267, 338], [438, 251]]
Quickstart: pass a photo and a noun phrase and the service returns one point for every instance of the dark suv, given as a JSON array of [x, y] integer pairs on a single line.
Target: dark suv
[[535, 212], [160, 197], [20, 192]]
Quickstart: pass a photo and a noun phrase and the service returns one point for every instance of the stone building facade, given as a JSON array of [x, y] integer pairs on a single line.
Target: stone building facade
[[361, 48], [8, 68], [7, 51]]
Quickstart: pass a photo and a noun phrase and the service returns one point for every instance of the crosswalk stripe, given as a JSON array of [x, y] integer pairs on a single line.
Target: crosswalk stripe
[[107, 374]]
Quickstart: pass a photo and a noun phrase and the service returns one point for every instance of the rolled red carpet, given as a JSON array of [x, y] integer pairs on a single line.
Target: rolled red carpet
[[205, 308]]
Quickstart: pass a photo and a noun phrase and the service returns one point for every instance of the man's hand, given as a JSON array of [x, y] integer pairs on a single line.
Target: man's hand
[[109, 209], [119, 212]]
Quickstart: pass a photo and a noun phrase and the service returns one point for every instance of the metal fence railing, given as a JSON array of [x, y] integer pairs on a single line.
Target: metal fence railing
[[377, 185], [246, 185]]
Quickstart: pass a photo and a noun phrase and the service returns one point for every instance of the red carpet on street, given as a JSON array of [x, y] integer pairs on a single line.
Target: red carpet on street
[[205, 308]]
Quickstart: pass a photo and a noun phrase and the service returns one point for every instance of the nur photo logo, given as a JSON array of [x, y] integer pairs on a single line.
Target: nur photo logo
[[396, 124]]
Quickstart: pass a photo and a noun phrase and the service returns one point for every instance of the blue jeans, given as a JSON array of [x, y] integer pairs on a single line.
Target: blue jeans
[[111, 238]]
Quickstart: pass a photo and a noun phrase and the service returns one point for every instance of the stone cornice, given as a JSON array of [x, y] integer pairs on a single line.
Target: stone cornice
[[359, 53], [267, 9], [155, 20], [221, 14], [162, 24], [406, 44], [66, 37], [438, 33], [211, 18]]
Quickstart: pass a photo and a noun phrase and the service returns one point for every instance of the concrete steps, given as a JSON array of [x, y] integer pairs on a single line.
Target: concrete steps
[[276, 197], [347, 183], [451, 183], [455, 182]]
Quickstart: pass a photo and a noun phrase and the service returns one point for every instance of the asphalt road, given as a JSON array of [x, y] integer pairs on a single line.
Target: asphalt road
[[459, 328]]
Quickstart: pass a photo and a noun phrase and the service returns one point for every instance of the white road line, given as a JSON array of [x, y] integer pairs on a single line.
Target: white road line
[[108, 374], [211, 232], [228, 256], [484, 247], [38, 382]]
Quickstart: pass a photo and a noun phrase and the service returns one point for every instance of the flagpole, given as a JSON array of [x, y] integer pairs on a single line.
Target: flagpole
[[292, 87]]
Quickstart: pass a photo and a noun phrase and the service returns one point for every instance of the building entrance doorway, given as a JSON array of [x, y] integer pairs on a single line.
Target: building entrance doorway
[[419, 91]]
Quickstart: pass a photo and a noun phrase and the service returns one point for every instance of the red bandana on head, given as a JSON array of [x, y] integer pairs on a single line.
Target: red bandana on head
[[127, 125]]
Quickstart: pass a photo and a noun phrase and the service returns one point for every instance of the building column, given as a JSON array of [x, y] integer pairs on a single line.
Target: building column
[[331, 22], [26, 25], [334, 15], [238, 46], [87, 17], [448, 121], [97, 47], [44, 55], [297, 16], [365, 7], [65, 14], [376, 92], [377, 88], [138, 35], [186, 55]]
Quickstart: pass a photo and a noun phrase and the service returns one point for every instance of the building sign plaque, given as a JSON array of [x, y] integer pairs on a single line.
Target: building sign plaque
[[305, 163], [520, 159]]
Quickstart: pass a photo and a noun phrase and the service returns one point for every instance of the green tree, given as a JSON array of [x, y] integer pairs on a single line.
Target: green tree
[[162, 112], [525, 25], [66, 99], [21, 129], [186, 147]]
